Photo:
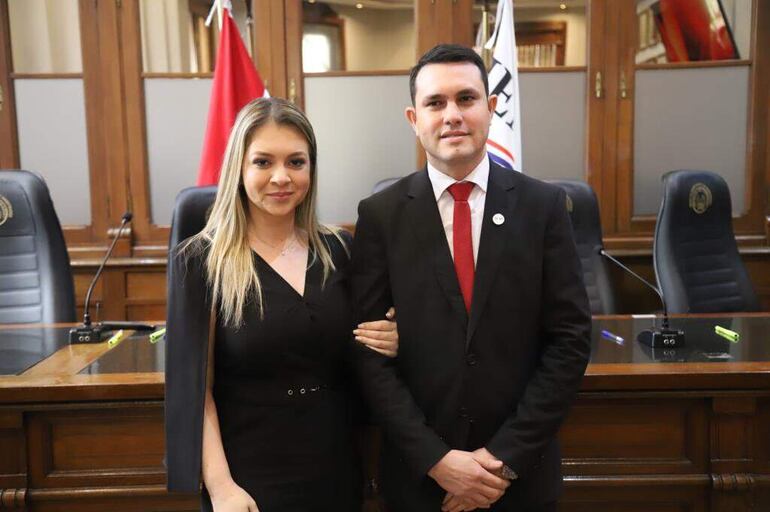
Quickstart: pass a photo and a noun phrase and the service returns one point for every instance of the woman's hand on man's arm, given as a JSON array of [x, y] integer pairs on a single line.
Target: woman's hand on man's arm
[[380, 335]]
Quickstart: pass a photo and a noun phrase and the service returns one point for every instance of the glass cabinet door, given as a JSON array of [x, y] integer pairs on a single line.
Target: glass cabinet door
[[52, 106], [169, 66], [358, 54], [685, 96]]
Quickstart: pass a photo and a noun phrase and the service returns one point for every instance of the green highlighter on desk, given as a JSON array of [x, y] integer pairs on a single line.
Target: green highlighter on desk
[[157, 335], [727, 334]]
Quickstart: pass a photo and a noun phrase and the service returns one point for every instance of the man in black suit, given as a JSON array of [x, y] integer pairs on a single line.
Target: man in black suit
[[493, 317]]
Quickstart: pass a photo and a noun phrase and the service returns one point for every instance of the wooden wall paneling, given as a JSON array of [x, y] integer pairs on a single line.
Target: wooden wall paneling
[[427, 24], [114, 294], [758, 265], [295, 82], [270, 44], [94, 93], [145, 285], [732, 425], [117, 445], [113, 136], [462, 23], [148, 238], [621, 157], [435, 23], [139, 498], [633, 296], [108, 301], [82, 278], [125, 291], [145, 295], [641, 494], [761, 439], [670, 436], [756, 149], [595, 112], [427, 27], [13, 463], [9, 139]]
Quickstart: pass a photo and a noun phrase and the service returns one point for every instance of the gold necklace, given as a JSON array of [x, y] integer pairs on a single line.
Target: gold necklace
[[288, 245]]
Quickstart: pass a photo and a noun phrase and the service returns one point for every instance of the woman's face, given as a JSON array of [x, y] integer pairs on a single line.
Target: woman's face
[[276, 170]]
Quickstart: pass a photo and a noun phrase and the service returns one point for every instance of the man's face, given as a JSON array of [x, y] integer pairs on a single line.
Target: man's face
[[451, 115]]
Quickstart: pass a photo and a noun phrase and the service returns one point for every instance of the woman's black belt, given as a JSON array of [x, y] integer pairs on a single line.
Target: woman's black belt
[[270, 392]]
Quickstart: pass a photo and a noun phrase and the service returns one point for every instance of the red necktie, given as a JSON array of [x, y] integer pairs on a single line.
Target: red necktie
[[462, 240]]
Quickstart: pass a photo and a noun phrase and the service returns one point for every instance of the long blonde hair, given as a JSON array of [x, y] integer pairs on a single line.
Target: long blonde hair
[[230, 271]]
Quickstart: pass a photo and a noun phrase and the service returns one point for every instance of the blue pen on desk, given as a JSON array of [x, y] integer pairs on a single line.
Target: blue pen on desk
[[613, 337]]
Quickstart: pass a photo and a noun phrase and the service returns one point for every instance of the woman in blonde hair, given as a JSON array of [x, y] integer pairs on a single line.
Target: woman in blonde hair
[[262, 412]]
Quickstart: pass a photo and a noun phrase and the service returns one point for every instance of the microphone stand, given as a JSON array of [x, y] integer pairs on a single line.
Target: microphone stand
[[665, 337], [88, 332]]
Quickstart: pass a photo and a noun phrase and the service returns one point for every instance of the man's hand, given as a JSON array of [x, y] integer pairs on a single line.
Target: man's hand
[[488, 461], [454, 503], [472, 482]]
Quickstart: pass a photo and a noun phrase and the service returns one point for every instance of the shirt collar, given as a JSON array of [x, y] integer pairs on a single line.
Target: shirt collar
[[440, 181]]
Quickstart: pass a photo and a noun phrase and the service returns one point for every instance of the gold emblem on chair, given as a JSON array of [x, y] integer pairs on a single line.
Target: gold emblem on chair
[[570, 206], [700, 198], [6, 210]]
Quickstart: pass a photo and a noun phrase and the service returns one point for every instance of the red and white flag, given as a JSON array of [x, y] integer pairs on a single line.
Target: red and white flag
[[236, 82]]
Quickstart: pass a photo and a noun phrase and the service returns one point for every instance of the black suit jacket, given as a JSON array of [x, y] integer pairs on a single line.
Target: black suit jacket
[[502, 377]]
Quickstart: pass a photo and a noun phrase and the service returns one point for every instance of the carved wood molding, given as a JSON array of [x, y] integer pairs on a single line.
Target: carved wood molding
[[12, 499], [733, 482]]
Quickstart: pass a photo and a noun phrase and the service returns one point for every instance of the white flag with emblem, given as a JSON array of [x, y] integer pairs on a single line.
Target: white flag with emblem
[[504, 142]]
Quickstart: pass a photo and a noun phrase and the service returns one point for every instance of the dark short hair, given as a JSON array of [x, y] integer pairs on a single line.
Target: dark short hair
[[447, 53]]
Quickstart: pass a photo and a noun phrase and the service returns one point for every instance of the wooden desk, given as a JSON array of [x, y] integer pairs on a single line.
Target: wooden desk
[[81, 427]]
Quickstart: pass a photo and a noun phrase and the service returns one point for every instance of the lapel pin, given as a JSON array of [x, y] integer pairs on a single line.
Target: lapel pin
[[498, 219]]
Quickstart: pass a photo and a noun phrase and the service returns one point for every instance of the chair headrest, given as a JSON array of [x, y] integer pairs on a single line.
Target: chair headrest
[[190, 213], [383, 184], [583, 209], [16, 217], [696, 198]]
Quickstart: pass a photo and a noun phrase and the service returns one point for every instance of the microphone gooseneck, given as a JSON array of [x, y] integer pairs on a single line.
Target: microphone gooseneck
[[86, 316], [640, 278], [87, 332], [664, 337]]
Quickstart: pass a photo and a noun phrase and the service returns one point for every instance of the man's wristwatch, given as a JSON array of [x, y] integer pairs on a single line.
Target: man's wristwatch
[[509, 474]]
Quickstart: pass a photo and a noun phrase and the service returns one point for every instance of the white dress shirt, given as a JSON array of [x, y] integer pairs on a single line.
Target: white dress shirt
[[446, 203]]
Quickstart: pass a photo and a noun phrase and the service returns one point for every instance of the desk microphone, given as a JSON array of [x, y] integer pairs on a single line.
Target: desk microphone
[[665, 337], [88, 332]]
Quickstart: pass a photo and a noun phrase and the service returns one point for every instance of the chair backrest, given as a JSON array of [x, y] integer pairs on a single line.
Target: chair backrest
[[383, 184], [587, 226], [191, 211], [35, 276], [695, 254]]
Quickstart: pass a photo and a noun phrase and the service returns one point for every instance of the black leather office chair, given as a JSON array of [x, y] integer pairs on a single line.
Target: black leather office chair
[[383, 184], [584, 212], [191, 210], [35, 276], [190, 213], [696, 257]]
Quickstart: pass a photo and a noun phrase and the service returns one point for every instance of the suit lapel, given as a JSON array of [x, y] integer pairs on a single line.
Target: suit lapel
[[425, 220], [500, 200]]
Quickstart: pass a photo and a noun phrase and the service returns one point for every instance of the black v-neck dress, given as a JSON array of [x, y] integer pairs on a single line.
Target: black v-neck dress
[[283, 396]]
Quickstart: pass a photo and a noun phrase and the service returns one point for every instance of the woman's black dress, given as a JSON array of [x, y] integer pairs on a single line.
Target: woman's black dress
[[282, 394]]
